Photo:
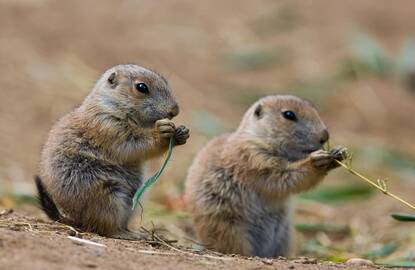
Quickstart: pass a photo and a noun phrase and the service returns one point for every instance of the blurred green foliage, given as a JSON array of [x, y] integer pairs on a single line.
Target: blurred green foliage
[[316, 249], [255, 59], [382, 156], [156, 211], [407, 261], [10, 199], [397, 263], [330, 194], [207, 123], [369, 55], [381, 251], [323, 227]]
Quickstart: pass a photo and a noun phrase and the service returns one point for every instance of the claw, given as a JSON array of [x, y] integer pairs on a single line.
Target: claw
[[181, 135]]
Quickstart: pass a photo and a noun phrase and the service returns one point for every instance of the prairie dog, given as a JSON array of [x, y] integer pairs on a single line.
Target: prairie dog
[[239, 185], [92, 162]]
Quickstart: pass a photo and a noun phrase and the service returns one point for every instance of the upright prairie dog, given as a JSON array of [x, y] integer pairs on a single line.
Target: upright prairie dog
[[92, 162], [239, 185]]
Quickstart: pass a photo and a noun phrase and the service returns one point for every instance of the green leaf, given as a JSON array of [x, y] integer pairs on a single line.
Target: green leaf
[[382, 251], [404, 217], [321, 227], [333, 194]]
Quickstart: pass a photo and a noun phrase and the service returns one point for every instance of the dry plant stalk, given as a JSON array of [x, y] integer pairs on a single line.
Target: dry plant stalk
[[85, 241], [161, 241], [379, 183]]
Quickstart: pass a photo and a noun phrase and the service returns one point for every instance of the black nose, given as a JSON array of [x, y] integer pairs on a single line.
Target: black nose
[[174, 111], [324, 136]]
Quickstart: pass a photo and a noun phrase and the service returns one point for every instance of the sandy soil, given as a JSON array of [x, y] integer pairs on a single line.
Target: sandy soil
[[30, 243]]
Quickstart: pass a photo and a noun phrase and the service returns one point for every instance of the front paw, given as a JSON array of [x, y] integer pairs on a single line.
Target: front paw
[[182, 133], [339, 153], [165, 128], [321, 159], [326, 160]]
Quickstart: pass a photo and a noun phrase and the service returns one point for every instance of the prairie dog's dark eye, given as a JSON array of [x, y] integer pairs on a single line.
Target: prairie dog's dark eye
[[142, 88], [289, 115]]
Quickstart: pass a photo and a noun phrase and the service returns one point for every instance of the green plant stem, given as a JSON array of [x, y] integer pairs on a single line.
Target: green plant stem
[[152, 179], [383, 189]]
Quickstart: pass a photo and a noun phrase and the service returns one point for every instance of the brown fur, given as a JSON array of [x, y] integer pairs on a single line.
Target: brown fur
[[93, 159], [239, 185]]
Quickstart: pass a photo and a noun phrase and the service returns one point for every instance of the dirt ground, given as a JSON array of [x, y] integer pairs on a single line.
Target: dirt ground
[[30, 243], [354, 60]]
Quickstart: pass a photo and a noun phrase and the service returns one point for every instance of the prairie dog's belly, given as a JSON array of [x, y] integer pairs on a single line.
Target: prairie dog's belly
[[269, 235], [78, 181]]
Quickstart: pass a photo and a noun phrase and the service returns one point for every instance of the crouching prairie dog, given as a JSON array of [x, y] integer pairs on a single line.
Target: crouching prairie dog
[[92, 162], [239, 185]]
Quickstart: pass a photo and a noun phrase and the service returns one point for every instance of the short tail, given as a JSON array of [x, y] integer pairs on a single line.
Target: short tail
[[46, 203]]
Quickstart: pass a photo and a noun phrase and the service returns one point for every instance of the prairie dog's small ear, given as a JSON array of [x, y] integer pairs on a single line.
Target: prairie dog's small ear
[[112, 79], [258, 111]]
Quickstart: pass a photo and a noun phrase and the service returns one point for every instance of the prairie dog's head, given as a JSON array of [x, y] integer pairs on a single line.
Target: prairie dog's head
[[136, 92], [286, 126]]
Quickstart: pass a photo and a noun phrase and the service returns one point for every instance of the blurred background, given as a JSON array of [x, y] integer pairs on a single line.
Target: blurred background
[[355, 61]]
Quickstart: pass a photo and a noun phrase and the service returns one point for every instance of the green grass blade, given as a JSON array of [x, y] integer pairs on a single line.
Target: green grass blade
[[404, 217], [321, 227], [152, 179]]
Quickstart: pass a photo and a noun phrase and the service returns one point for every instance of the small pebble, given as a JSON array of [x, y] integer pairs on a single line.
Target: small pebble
[[305, 260], [6, 212], [359, 261], [267, 261], [71, 233]]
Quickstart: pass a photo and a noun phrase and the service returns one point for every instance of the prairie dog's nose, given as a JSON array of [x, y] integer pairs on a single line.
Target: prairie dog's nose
[[174, 111], [324, 136]]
